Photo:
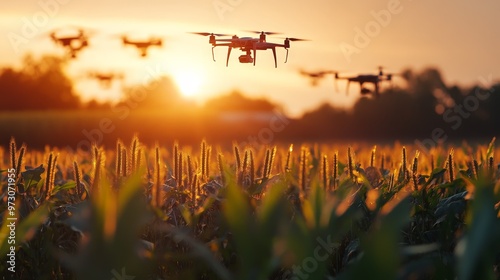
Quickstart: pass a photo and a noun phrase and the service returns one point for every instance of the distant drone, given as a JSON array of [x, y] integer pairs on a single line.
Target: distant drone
[[73, 44], [142, 46], [247, 45], [105, 78], [374, 79], [316, 76]]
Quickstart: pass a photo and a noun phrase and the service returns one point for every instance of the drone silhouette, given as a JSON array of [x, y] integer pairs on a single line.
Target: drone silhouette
[[73, 44], [142, 46], [315, 77], [105, 79], [248, 45], [374, 79]]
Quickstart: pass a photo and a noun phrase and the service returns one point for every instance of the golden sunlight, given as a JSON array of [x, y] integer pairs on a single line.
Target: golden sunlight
[[189, 81]]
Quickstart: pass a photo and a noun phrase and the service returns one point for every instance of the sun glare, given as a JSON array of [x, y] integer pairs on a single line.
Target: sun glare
[[188, 81]]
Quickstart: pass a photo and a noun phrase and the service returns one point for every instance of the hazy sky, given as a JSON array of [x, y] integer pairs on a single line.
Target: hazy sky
[[460, 37]]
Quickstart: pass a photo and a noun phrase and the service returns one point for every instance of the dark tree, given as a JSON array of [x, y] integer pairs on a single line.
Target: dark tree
[[39, 85]]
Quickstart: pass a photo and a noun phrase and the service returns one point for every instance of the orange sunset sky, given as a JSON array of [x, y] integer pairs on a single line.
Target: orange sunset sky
[[459, 37]]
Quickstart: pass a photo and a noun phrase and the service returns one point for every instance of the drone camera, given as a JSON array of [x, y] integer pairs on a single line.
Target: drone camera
[[245, 58], [365, 91]]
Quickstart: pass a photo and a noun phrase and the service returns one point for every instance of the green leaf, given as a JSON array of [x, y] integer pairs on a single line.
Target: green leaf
[[200, 251], [32, 176], [68, 185], [477, 251], [112, 223], [381, 252], [25, 229]]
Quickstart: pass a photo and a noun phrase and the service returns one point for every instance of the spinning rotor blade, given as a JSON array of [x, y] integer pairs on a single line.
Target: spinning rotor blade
[[263, 32], [296, 39], [209, 34]]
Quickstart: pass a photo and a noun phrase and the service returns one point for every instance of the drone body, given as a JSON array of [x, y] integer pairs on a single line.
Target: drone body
[[362, 79], [73, 44], [373, 79], [248, 45], [144, 45], [105, 79], [315, 77]]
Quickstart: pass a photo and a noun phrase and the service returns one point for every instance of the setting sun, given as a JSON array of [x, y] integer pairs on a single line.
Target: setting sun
[[189, 81]]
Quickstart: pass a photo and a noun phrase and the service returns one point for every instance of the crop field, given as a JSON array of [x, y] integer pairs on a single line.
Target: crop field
[[316, 211]]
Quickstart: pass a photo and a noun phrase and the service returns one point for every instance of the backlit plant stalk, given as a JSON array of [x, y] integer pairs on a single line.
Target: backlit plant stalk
[[221, 167], [335, 168], [451, 166], [252, 168], [303, 169], [78, 179], [124, 164], [98, 168], [324, 172], [288, 158], [194, 186], [12, 153], [414, 171], [51, 171], [134, 152], [350, 163], [237, 157], [118, 163], [404, 168], [175, 162], [372, 157], [156, 192], [20, 160], [189, 171]]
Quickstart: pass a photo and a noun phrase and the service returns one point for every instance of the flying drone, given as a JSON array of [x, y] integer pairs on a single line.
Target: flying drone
[[374, 79], [247, 45], [73, 43], [143, 45], [316, 76], [105, 78]]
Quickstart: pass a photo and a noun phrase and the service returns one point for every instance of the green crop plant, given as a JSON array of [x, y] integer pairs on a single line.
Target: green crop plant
[[174, 212]]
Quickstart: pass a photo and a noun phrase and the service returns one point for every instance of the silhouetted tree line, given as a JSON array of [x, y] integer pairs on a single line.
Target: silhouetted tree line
[[426, 106], [37, 85]]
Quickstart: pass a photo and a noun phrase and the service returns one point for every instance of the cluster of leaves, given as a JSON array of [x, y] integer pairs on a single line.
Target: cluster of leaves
[[139, 213]]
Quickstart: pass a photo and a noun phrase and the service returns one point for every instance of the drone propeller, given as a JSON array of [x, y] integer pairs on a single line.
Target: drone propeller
[[209, 34], [381, 70], [295, 39], [263, 32]]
